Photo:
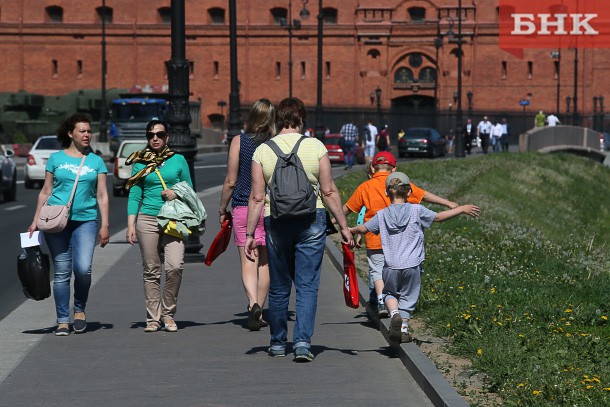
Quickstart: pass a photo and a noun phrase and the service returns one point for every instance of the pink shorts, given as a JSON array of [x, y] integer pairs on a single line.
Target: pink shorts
[[240, 217]]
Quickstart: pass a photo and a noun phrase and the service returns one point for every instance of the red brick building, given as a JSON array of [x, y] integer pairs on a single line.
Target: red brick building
[[53, 47]]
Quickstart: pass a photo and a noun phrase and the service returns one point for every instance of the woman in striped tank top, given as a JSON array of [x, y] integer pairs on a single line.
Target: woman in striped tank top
[[254, 273]]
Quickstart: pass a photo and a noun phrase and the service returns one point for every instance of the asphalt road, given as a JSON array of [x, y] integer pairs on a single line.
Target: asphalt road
[[15, 217]]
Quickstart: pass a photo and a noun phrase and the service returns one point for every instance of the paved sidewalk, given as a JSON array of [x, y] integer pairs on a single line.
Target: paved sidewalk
[[213, 360]]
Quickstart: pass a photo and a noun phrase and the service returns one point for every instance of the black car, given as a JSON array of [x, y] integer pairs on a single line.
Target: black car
[[422, 141], [8, 175]]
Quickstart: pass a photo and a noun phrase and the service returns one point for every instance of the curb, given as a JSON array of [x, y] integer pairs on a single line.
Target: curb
[[425, 374]]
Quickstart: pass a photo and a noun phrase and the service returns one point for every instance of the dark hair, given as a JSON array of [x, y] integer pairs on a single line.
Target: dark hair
[[290, 114], [68, 126], [261, 121], [154, 122], [398, 191]]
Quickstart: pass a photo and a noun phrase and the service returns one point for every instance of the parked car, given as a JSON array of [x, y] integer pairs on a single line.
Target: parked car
[[336, 153], [604, 141], [422, 141], [36, 163], [8, 175], [122, 171]]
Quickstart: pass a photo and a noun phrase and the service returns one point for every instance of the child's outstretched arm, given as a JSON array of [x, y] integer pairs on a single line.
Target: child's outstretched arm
[[435, 199], [360, 229], [471, 210]]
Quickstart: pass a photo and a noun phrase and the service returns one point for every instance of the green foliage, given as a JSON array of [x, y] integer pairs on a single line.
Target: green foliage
[[523, 291], [19, 137]]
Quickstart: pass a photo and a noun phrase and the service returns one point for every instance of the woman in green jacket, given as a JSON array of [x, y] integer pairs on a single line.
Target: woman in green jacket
[[146, 196]]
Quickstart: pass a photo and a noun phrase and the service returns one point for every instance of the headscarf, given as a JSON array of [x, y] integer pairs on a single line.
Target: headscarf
[[152, 160]]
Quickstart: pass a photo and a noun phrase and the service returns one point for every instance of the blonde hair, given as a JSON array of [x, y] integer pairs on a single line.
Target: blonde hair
[[261, 121]]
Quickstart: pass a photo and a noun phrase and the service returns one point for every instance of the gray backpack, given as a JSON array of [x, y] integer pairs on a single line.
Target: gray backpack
[[290, 192]]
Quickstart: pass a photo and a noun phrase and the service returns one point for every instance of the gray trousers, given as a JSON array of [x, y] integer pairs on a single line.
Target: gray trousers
[[404, 286], [160, 301]]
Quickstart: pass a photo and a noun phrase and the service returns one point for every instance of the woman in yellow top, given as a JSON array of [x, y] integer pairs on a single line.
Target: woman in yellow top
[[295, 246]]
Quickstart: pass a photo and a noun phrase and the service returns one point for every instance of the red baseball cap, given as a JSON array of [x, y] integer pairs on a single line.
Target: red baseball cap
[[384, 157]]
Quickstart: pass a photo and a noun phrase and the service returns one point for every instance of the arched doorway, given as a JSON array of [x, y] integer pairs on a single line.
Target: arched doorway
[[411, 111]]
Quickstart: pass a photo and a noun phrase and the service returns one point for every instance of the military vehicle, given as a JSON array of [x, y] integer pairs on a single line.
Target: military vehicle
[[23, 112]]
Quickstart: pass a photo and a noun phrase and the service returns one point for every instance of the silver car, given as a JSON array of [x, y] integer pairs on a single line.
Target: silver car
[[36, 163], [8, 175], [121, 170]]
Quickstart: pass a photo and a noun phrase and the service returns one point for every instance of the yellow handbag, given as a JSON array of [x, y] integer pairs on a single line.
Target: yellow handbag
[[170, 228]]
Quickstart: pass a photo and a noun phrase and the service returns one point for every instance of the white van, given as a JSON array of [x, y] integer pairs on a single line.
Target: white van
[[121, 171]]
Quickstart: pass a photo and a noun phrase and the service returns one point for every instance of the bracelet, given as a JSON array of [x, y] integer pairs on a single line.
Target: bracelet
[[250, 235]]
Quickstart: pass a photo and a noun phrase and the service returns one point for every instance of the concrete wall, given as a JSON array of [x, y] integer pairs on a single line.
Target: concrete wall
[[554, 137]]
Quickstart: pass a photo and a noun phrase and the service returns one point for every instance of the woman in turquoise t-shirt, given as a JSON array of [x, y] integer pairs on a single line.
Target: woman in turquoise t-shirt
[[72, 248], [146, 196]]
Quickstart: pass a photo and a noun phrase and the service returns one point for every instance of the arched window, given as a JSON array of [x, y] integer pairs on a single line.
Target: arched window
[[373, 53], [55, 14], [280, 15], [427, 75], [165, 14], [329, 15], [417, 13], [216, 15], [104, 14], [403, 75]]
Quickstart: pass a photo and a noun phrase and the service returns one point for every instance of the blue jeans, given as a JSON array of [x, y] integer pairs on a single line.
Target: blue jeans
[[349, 155], [72, 252], [295, 248]]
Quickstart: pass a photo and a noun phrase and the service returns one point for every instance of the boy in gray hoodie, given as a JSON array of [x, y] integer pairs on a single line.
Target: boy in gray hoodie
[[401, 226]]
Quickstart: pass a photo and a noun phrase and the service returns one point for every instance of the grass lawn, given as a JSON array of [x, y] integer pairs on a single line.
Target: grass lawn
[[523, 291]]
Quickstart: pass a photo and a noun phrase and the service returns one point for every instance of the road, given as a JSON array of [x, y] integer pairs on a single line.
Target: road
[[15, 217]]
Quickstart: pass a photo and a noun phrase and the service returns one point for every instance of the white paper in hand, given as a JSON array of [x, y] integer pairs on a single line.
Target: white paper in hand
[[27, 241]]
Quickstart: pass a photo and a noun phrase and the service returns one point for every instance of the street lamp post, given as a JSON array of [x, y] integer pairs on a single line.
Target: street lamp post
[[291, 24], [222, 104], [181, 139], [103, 112], [234, 104], [378, 96], [459, 144]]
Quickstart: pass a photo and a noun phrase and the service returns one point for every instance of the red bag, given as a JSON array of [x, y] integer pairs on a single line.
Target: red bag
[[350, 281], [221, 241]]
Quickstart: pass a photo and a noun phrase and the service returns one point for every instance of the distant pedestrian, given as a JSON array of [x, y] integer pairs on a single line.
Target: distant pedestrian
[[369, 148], [449, 139], [401, 228], [383, 139], [295, 245], [496, 135], [236, 188], [72, 248], [349, 131], [468, 135], [484, 132], [504, 140], [552, 120], [146, 197], [540, 119]]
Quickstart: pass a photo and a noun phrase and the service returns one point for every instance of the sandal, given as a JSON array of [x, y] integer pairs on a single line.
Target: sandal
[[170, 324], [152, 327]]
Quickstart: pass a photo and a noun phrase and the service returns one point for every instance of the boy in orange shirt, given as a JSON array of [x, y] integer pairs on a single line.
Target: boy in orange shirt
[[372, 195]]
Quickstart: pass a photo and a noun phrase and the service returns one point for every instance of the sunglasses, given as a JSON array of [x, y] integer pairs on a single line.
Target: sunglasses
[[160, 134]]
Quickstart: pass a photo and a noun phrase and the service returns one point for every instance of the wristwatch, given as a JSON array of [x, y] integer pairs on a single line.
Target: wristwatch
[[250, 235]]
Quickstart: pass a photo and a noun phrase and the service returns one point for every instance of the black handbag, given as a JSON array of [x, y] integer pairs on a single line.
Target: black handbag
[[34, 271]]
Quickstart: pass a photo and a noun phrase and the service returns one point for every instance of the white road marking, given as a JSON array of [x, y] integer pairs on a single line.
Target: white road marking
[[14, 208]]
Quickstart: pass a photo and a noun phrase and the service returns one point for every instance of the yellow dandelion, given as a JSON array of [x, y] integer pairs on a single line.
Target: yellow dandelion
[[521, 336], [460, 288], [473, 306], [596, 379], [606, 389], [568, 334], [589, 387], [480, 352], [521, 385], [568, 323], [448, 325], [493, 290], [536, 392], [466, 316], [568, 310], [499, 323], [605, 318]]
